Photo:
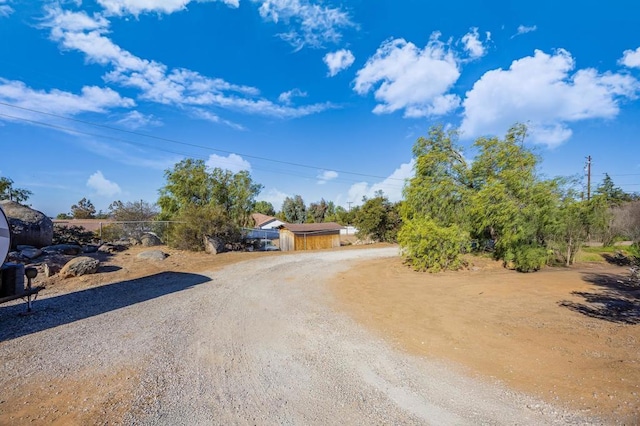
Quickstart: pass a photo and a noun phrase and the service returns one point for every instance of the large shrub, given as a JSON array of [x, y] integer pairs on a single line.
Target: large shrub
[[196, 222], [429, 247]]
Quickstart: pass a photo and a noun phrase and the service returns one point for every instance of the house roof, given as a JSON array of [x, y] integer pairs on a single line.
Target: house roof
[[308, 228], [262, 219]]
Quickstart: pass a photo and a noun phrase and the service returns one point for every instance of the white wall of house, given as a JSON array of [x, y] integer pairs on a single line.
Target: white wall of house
[[272, 225]]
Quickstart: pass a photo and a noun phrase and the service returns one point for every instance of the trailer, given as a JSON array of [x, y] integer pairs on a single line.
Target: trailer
[[12, 275]]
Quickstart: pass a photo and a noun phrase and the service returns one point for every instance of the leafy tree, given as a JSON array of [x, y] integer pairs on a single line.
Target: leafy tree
[[428, 246], [613, 195], [378, 219], [8, 192], [436, 202], [264, 207], [64, 216], [440, 186], [342, 215], [194, 193], [574, 220], [318, 211], [294, 210], [83, 210]]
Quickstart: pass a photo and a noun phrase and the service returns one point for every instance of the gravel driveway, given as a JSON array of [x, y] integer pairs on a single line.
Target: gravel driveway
[[254, 343]]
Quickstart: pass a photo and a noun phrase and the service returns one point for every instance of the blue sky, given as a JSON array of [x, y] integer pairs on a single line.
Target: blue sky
[[319, 98]]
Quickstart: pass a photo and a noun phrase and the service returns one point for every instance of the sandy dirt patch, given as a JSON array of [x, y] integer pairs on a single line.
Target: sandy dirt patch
[[569, 336]]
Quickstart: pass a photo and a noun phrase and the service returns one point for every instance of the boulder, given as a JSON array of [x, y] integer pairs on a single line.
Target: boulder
[[157, 255], [79, 266], [112, 248], [70, 249], [149, 239], [30, 253], [213, 245], [28, 226], [89, 248]]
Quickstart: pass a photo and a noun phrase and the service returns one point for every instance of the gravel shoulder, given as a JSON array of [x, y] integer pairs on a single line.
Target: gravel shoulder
[[256, 342]]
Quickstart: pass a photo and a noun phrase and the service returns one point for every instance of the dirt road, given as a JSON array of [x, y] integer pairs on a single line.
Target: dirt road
[[257, 342]]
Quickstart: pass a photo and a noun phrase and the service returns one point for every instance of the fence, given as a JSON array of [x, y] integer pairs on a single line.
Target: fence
[[112, 230]]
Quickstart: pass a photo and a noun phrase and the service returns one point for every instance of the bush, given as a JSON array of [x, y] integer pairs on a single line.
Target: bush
[[529, 258], [196, 222], [72, 235], [427, 246]]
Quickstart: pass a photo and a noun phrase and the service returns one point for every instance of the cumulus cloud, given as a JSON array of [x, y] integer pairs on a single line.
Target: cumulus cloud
[[312, 25], [631, 58], [522, 29], [542, 90], [391, 186], [136, 120], [275, 197], [326, 176], [232, 162], [338, 61], [137, 7], [473, 45], [155, 81], [5, 9], [103, 186], [90, 99], [411, 79], [286, 97]]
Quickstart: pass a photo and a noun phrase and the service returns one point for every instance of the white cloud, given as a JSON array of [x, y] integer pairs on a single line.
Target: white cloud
[[136, 7], [5, 9], [473, 45], [631, 58], [275, 197], [90, 99], [391, 186], [103, 186], [338, 61], [136, 120], [540, 90], [232, 162], [326, 176], [214, 118], [155, 81], [286, 97], [522, 29], [413, 79], [309, 24]]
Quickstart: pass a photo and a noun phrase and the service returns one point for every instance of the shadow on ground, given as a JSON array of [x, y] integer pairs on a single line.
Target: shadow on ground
[[615, 299], [66, 308]]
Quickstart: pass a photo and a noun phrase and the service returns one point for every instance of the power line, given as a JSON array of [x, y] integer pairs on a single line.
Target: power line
[[105, 126], [281, 171]]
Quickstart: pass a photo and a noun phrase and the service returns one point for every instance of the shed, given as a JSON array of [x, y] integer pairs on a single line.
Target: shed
[[309, 236]]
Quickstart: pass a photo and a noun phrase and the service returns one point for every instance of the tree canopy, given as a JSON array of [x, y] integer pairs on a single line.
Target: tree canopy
[[9, 192], [212, 202], [500, 197]]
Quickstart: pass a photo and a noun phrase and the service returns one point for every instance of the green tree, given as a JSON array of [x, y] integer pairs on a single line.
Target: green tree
[[194, 193], [613, 195], [378, 219], [318, 211], [264, 207], [83, 210], [436, 202], [135, 211], [294, 210], [511, 204], [8, 192]]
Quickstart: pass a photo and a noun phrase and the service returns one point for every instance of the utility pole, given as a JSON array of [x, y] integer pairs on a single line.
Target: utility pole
[[349, 202], [588, 178]]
